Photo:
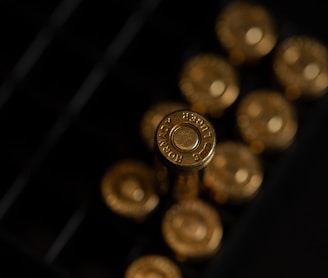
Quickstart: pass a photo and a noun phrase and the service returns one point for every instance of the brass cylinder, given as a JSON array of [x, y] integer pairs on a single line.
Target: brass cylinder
[[209, 83], [300, 65], [235, 174], [153, 265], [127, 188], [266, 120], [192, 229], [247, 31], [184, 145]]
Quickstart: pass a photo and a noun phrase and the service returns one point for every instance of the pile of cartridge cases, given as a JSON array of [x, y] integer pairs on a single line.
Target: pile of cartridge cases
[[198, 166]]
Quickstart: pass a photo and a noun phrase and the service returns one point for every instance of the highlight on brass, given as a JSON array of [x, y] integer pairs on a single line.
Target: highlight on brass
[[266, 120], [234, 175], [153, 265], [209, 83], [246, 30], [127, 188], [300, 65], [192, 229], [153, 116]]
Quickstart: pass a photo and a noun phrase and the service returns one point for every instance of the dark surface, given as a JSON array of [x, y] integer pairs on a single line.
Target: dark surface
[[76, 78]]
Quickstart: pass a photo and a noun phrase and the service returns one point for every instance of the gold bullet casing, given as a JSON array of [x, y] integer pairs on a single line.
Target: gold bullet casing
[[153, 266], [185, 140], [246, 30], [184, 144], [209, 83], [127, 188], [152, 117], [234, 175], [300, 66], [266, 120], [192, 229]]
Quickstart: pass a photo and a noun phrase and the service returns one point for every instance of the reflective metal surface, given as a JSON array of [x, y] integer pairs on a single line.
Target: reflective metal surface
[[184, 144], [246, 30], [153, 266], [300, 66], [192, 229], [267, 121], [76, 78], [128, 189], [185, 140], [234, 175], [209, 83]]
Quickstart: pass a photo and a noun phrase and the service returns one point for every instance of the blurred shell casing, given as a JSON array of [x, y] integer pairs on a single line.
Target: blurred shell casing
[[192, 229], [209, 83], [127, 188], [300, 66], [234, 175], [153, 265], [246, 30], [266, 120]]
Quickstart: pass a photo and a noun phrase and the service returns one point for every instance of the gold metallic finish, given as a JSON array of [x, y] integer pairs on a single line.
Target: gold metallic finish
[[162, 177], [192, 229], [185, 141], [209, 83], [300, 65], [266, 120], [183, 185], [186, 186], [234, 175], [153, 116], [184, 144], [153, 266], [246, 30], [128, 189]]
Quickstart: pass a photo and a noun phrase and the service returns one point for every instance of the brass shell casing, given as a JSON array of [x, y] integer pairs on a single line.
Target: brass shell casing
[[246, 30], [185, 141], [192, 229], [153, 266], [184, 144], [127, 188], [234, 175], [300, 65], [209, 83], [266, 120]]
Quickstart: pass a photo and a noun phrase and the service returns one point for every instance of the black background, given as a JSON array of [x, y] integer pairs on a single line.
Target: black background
[[75, 80]]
